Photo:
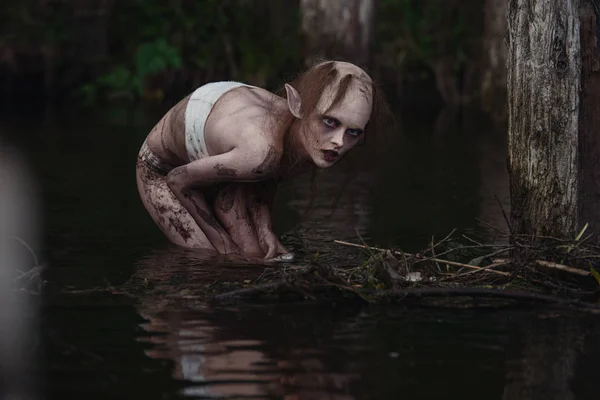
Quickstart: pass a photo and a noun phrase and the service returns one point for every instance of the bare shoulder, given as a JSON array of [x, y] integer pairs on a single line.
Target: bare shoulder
[[242, 118]]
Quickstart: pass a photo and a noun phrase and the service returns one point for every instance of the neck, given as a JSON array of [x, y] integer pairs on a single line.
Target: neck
[[289, 131], [295, 157]]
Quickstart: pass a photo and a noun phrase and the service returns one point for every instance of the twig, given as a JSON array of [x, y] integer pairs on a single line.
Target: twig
[[457, 264], [553, 265], [494, 265], [32, 273], [261, 275], [462, 248], [35, 259], [444, 240], [561, 267], [433, 253], [510, 229], [454, 263], [473, 240], [360, 238], [492, 226], [527, 235]]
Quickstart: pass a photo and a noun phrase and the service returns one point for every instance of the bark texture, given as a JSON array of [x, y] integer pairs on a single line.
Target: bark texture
[[589, 122], [544, 70], [337, 29], [493, 78]]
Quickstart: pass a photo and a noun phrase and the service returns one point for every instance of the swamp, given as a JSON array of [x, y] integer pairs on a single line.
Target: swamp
[[408, 280]]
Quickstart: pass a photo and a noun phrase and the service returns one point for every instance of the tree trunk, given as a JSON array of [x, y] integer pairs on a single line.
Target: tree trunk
[[337, 29], [589, 118], [493, 78], [544, 71]]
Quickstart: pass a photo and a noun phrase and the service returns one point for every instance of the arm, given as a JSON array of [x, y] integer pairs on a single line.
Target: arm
[[233, 166]]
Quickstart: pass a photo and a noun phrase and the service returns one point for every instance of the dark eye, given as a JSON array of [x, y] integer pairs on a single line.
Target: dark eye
[[330, 122], [354, 132]]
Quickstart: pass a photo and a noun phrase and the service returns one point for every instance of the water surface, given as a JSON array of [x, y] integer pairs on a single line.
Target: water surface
[[439, 173]]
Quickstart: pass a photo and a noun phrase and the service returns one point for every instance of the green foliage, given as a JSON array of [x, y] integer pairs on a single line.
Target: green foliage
[[154, 43], [213, 39], [415, 33], [129, 81]]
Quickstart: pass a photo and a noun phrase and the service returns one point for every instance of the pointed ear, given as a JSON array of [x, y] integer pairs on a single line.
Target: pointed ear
[[294, 101]]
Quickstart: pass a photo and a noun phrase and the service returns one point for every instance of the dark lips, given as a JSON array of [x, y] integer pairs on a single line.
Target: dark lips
[[330, 155]]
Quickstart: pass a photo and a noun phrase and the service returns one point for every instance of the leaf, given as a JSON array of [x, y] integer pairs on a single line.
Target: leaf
[[477, 261], [582, 231], [578, 237]]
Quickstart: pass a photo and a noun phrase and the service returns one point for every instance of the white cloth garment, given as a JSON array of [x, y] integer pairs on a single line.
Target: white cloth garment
[[198, 108]]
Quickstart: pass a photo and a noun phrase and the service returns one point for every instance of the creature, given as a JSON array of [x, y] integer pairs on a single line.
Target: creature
[[208, 172]]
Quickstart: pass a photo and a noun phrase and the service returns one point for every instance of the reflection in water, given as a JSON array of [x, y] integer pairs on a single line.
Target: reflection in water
[[223, 353], [229, 367], [544, 360], [233, 355], [314, 353]]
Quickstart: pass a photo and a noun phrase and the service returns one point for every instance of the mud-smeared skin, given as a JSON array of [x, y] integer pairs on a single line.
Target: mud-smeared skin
[[260, 202], [180, 228], [226, 198], [206, 215], [224, 171], [365, 91], [231, 208], [177, 173], [268, 164], [152, 180]]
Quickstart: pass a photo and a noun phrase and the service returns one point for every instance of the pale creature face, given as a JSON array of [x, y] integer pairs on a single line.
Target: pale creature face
[[328, 135]]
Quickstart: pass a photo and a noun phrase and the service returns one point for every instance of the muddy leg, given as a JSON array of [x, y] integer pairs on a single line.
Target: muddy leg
[[260, 200], [167, 212], [231, 207]]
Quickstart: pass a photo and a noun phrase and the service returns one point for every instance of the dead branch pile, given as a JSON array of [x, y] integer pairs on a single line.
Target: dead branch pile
[[539, 269]]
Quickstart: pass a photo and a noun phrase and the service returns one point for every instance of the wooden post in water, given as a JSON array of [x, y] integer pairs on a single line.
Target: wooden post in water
[[553, 84]]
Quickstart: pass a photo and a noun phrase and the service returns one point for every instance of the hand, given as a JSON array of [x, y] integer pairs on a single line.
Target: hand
[[273, 246]]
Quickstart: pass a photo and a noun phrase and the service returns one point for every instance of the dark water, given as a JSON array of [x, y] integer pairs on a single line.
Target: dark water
[[441, 172]]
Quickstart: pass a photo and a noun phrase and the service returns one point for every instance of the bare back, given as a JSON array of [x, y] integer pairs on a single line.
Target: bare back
[[240, 118]]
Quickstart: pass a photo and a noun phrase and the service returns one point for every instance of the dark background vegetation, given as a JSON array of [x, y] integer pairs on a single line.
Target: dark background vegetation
[[91, 52]]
